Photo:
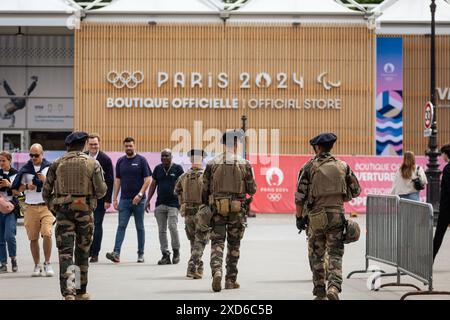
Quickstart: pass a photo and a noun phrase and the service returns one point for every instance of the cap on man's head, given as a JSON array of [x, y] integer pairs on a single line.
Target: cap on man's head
[[196, 153], [323, 138], [229, 136], [77, 136]]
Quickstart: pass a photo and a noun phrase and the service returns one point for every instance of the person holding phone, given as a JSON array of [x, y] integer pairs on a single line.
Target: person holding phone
[[38, 219]]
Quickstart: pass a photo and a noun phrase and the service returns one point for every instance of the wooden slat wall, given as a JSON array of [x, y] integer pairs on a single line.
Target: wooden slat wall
[[416, 89], [345, 51]]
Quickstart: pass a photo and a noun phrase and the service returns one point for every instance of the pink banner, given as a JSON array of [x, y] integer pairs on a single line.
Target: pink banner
[[276, 177], [277, 184]]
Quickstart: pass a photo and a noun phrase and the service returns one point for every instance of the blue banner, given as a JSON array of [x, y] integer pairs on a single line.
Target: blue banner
[[389, 96]]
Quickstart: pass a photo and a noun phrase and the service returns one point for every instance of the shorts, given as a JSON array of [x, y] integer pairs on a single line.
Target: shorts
[[38, 220]]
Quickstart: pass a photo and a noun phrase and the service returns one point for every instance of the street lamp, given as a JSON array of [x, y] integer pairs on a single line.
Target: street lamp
[[433, 173], [244, 128]]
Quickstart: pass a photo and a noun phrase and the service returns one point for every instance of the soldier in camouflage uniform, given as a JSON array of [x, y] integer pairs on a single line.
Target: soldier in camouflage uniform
[[228, 178], [302, 220], [189, 191], [324, 184], [74, 183]]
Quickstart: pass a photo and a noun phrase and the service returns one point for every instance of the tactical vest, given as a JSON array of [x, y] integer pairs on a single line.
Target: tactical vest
[[328, 178], [228, 178], [73, 175], [192, 187]]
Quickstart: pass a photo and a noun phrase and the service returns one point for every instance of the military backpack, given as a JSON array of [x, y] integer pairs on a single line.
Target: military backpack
[[73, 175], [192, 187], [328, 178], [228, 178]]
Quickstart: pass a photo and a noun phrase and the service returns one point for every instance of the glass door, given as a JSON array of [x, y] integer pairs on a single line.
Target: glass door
[[12, 141]]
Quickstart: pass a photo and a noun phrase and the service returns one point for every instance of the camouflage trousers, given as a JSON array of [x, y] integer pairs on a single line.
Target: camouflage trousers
[[231, 228], [198, 240], [325, 251], [74, 231]]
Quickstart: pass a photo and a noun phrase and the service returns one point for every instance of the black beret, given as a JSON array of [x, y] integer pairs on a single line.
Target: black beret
[[230, 135], [196, 152], [323, 138], [76, 136]]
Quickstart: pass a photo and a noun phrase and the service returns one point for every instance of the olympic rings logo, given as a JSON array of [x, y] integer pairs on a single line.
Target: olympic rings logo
[[125, 78], [274, 197]]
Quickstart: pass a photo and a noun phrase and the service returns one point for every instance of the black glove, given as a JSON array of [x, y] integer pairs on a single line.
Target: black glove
[[302, 223], [246, 205]]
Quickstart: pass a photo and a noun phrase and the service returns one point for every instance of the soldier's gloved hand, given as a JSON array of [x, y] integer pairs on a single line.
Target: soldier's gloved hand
[[302, 223]]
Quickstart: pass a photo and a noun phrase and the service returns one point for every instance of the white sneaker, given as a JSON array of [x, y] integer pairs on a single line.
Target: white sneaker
[[48, 270], [37, 271]]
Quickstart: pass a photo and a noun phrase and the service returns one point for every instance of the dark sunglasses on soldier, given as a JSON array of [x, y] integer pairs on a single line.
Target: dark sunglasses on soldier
[[34, 155]]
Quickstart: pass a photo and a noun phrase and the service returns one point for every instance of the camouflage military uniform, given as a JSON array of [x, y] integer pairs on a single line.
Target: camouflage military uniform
[[328, 243], [73, 212], [231, 226], [197, 236]]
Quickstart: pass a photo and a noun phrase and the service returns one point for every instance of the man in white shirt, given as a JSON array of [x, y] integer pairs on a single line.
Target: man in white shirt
[[38, 220]]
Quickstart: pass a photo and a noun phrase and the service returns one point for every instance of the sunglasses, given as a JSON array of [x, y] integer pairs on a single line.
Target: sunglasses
[[34, 155]]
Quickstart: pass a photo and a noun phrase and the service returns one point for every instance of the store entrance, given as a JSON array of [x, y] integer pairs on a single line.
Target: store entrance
[[50, 140]]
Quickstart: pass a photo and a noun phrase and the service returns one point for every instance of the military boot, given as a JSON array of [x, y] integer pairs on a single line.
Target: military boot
[[333, 293], [217, 282], [200, 268], [232, 284], [176, 256], [165, 258], [199, 273], [190, 271], [320, 293], [83, 296]]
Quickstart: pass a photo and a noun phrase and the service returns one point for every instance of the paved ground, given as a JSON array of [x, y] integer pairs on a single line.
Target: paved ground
[[273, 265]]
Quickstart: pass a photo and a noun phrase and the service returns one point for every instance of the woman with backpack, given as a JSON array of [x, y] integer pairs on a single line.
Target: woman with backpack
[[409, 179], [8, 219]]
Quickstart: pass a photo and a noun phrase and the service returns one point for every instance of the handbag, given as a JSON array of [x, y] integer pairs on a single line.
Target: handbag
[[418, 183]]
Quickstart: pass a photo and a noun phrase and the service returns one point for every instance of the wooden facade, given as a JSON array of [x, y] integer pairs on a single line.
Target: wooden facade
[[416, 90], [344, 52]]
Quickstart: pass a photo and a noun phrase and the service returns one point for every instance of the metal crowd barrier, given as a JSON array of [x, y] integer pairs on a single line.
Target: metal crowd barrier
[[400, 234], [381, 232]]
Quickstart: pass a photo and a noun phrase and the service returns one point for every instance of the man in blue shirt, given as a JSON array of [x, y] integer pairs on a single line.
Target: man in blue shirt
[[133, 178], [165, 177]]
